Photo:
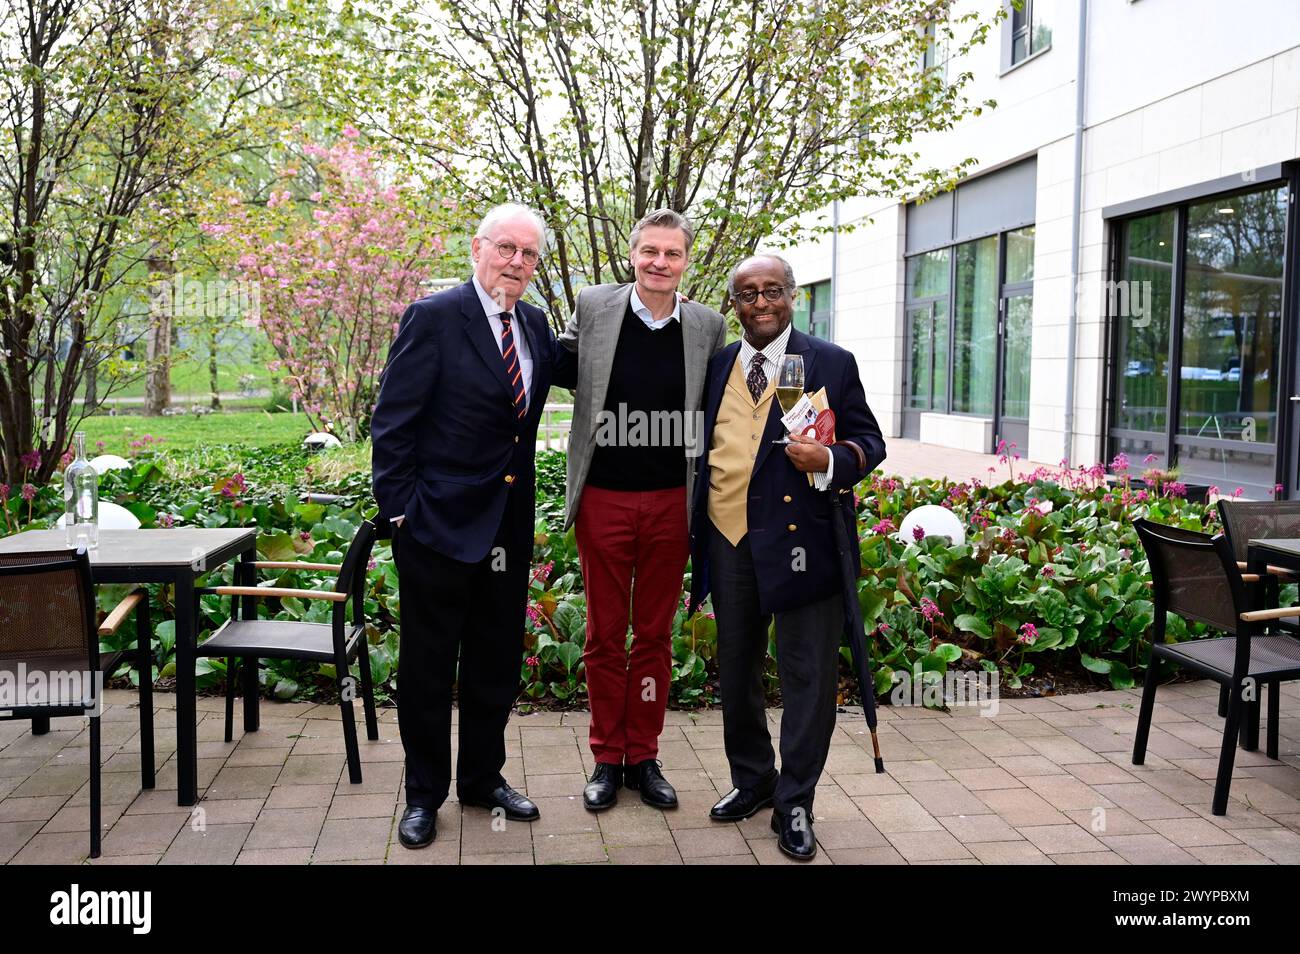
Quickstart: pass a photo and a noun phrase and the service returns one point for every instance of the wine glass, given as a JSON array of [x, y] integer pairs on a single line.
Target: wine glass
[[789, 385]]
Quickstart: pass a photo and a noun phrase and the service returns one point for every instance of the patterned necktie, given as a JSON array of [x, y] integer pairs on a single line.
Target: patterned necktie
[[757, 379], [514, 372]]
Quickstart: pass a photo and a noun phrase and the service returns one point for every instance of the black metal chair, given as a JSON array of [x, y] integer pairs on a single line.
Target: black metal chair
[[49, 653], [250, 639], [1196, 576], [1246, 520]]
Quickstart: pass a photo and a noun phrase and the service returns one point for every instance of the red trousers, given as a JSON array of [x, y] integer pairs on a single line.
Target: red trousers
[[630, 539]]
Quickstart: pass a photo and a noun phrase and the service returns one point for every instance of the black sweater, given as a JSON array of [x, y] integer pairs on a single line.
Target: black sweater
[[639, 435]]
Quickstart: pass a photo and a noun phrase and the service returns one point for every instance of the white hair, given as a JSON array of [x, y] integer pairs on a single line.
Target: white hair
[[509, 211]]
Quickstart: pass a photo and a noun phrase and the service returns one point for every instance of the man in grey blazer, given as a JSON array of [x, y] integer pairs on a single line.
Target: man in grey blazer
[[636, 434]]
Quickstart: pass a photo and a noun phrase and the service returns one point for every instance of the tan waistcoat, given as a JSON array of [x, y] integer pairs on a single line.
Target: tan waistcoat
[[737, 434]]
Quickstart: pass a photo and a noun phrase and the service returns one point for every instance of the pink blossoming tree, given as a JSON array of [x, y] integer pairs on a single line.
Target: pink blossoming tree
[[333, 256]]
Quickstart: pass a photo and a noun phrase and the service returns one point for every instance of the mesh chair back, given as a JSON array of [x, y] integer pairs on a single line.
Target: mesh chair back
[[1190, 571], [47, 619], [1246, 520]]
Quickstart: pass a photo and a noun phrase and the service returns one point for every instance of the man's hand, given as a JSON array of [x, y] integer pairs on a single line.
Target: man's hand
[[808, 454]]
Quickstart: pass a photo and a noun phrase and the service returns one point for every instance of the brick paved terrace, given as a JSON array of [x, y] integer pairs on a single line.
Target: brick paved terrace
[[1045, 781]]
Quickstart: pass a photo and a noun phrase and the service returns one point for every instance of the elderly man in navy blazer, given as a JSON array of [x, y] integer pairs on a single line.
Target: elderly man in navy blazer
[[763, 542], [453, 435]]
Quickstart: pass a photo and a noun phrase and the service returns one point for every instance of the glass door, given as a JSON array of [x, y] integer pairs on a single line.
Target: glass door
[[1015, 340]]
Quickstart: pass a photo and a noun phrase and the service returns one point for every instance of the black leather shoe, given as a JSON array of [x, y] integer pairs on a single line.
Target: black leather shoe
[[646, 778], [418, 826], [794, 834], [602, 791], [742, 803], [517, 807]]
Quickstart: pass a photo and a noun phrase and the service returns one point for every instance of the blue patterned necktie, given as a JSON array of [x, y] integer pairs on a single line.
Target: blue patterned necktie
[[757, 378]]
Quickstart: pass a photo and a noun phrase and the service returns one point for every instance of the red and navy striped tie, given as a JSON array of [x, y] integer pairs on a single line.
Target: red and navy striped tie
[[513, 371]]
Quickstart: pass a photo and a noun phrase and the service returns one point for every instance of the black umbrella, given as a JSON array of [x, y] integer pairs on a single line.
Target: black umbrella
[[854, 625]]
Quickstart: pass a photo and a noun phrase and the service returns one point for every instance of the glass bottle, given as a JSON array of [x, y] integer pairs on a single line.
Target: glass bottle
[[81, 498]]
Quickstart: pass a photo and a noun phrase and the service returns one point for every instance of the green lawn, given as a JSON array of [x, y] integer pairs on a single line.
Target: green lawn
[[247, 429], [191, 378]]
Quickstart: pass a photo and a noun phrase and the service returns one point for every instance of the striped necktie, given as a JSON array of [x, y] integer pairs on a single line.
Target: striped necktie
[[514, 372]]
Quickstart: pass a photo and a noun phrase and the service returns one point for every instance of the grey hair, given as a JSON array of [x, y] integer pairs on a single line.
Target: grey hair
[[790, 284], [508, 211], [663, 218]]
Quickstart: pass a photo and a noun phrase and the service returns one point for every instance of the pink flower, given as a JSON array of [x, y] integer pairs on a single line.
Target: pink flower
[[31, 460], [918, 533], [1049, 571], [166, 521], [1008, 535], [1150, 458], [882, 628], [533, 661], [1120, 463], [4, 491], [29, 491], [930, 610], [304, 535], [1028, 634], [99, 446], [1238, 492], [1175, 489], [66, 459], [884, 527]]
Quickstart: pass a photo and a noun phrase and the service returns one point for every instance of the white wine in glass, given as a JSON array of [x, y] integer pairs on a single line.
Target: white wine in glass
[[789, 385]]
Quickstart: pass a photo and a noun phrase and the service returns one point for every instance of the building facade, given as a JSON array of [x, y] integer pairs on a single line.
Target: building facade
[[1118, 273]]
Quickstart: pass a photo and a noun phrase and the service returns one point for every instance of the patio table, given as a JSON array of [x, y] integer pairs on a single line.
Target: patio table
[[178, 556]]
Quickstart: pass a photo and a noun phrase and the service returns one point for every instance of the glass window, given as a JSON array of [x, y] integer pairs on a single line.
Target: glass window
[[1232, 319], [927, 294], [1029, 32], [820, 309], [1140, 303], [935, 56], [927, 275], [1020, 256], [975, 329]]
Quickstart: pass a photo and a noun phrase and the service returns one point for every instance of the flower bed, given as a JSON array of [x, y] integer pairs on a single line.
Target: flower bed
[[1050, 580]]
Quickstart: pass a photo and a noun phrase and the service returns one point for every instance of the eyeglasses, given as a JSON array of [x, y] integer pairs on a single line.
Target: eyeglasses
[[749, 295], [507, 251]]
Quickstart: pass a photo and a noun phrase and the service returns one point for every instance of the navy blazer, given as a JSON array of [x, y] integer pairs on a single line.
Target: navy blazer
[[448, 443], [795, 566]]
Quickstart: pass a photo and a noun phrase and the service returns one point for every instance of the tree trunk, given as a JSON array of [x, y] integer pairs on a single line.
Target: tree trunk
[[158, 380], [212, 368]]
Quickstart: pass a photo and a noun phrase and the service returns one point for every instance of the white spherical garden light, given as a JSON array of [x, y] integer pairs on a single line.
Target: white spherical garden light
[[111, 517], [934, 521], [106, 462]]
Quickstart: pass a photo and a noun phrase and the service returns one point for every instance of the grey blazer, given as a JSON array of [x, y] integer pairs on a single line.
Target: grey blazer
[[598, 318]]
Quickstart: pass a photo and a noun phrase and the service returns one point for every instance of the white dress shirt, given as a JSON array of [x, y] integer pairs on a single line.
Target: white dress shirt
[[772, 356], [645, 314]]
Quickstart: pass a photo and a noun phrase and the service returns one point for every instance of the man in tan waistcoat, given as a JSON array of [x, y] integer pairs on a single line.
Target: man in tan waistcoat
[[762, 542]]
